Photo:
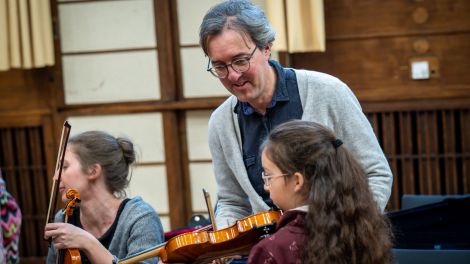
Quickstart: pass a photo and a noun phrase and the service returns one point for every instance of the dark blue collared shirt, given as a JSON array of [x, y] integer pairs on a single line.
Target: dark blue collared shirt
[[255, 127]]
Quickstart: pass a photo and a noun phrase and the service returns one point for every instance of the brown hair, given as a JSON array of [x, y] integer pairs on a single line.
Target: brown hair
[[114, 155], [344, 224]]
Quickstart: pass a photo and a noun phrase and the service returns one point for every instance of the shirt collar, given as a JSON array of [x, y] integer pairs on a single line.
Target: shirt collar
[[280, 91], [303, 208]]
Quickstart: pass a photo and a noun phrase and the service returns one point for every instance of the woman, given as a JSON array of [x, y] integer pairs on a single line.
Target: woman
[[107, 226]]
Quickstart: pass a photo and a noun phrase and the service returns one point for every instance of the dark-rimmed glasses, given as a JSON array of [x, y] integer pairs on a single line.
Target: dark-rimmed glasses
[[267, 178], [238, 64]]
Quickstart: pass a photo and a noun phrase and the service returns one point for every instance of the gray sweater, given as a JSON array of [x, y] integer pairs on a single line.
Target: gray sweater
[[325, 100], [139, 228]]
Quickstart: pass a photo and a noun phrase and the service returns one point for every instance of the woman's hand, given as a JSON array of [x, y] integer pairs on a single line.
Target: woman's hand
[[67, 236]]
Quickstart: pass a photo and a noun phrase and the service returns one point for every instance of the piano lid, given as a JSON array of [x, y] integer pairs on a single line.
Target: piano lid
[[441, 225]]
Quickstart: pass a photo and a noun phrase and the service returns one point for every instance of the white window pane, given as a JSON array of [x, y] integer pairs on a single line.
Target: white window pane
[[201, 176], [166, 223], [144, 130], [107, 25], [150, 183], [196, 125], [190, 14], [197, 82], [111, 77]]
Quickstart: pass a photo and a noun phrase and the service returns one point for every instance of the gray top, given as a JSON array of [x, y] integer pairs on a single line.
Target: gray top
[[326, 100], [138, 229]]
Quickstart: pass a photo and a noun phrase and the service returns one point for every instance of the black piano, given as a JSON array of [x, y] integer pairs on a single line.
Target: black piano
[[436, 232]]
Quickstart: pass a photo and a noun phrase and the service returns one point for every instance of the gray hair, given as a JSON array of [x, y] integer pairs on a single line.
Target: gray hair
[[114, 155], [239, 15]]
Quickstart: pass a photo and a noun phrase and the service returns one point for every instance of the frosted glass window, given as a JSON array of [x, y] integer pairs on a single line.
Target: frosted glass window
[[197, 82], [144, 130], [150, 183], [259, 3], [196, 127], [201, 176], [190, 14], [107, 25], [165, 223], [275, 55], [111, 77]]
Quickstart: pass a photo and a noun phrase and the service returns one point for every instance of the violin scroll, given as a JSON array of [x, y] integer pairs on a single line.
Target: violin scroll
[[74, 200], [70, 255]]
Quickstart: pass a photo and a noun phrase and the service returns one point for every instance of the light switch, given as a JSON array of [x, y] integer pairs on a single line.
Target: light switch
[[420, 70]]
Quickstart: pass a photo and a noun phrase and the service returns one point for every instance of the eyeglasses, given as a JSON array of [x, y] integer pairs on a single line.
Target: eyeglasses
[[267, 178], [239, 65]]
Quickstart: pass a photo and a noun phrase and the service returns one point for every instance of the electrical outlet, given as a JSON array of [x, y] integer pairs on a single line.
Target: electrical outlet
[[424, 68]]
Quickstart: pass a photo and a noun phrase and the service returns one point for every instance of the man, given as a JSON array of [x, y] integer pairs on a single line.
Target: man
[[237, 38]]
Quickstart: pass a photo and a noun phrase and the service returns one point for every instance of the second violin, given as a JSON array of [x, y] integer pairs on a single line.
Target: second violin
[[203, 246]]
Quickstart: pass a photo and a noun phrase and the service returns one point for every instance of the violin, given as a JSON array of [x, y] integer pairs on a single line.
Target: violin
[[204, 246], [70, 255]]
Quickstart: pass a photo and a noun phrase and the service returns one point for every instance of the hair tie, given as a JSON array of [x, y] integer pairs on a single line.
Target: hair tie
[[336, 143]]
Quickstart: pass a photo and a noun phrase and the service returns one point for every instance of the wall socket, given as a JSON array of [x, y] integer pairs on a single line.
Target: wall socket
[[424, 68]]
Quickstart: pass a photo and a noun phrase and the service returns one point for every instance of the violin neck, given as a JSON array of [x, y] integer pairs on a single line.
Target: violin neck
[[60, 256], [156, 251]]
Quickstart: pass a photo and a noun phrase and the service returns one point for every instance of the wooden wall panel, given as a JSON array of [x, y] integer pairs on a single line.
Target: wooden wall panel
[[23, 91], [23, 163], [449, 148], [370, 46], [406, 144], [378, 69], [26, 194], [390, 145], [367, 18], [27, 150], [428, 151], [464, 142]]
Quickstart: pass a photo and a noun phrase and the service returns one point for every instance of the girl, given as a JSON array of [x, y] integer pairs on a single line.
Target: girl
[[108, 225], [329, 213]]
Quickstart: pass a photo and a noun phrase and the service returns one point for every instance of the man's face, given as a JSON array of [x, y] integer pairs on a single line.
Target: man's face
[[247, 86]]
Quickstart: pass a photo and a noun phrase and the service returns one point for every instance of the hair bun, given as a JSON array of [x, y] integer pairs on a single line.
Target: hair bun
[[127, 149]]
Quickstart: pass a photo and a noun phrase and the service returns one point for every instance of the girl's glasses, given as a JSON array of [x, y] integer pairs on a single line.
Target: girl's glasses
[[267, 178]]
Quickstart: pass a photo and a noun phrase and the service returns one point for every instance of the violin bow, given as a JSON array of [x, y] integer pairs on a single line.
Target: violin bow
[[210, 209], [58, 169]]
